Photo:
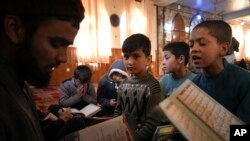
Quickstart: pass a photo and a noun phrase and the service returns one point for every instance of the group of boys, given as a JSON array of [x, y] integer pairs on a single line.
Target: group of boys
[[34, 39]]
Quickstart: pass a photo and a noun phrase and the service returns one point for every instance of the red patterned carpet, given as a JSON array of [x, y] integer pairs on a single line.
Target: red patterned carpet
[[45, 97]]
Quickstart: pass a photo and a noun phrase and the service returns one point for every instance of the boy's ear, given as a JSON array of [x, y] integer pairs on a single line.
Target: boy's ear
[[224, 48], [14, 29], [149, 60], [181, 59]]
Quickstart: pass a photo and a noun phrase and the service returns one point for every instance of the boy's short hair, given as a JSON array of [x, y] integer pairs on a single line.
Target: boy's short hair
[[33, 12], [178, 49], [137, 41], [218, 29], [83, 73]]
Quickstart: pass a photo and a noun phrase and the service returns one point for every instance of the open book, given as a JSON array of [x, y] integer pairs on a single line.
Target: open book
[[197, 115], [87, 111], [115, 129]]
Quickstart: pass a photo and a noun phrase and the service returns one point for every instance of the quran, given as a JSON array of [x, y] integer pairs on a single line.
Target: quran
[[115, 129], [87, 111], [197, 115], [163, 132]]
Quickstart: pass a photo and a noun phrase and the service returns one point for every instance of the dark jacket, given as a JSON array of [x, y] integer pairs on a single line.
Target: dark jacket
[[18, 116], [107, 88]]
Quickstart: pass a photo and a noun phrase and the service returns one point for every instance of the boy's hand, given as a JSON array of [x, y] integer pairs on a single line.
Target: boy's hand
[[81, 90], [112, 102]]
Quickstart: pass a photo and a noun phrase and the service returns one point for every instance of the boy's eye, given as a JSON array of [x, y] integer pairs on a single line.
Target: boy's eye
[[166, 57], [202, 42], [125, 56], [136, 56]]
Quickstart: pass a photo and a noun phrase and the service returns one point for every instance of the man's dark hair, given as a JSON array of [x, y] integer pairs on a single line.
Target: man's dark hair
[[33, 12], [137, 41], [218, 29], [178, 49], [83, 73]]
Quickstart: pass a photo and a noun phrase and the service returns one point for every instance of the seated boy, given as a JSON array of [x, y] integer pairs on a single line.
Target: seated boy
[[225, 82], [107, 87], [139, 95], [176, 58], [78, 92]]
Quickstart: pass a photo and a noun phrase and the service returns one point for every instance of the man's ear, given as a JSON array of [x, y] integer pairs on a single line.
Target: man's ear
[[224, 48], [14, 29]]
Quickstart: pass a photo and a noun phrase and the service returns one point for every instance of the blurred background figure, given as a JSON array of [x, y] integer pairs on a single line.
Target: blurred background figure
[[230, 57]]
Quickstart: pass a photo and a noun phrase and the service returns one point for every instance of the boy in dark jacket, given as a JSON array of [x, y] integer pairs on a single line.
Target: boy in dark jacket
[[107, 87]]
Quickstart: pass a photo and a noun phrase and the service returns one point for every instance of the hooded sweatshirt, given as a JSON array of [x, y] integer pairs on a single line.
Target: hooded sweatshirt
[[107, 88]]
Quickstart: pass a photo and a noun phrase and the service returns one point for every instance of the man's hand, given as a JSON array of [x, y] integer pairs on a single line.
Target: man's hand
[[65, 114]]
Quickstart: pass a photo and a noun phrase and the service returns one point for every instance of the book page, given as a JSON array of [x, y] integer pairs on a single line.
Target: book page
[[197, 115], [75, 111], [90, 110], [115, 129], [87, 111]]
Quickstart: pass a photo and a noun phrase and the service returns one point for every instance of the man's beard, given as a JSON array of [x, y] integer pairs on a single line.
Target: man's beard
[[27, 66]]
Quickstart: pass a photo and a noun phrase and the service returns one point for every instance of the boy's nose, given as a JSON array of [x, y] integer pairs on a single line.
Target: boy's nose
[[130, 60], [195, 47]]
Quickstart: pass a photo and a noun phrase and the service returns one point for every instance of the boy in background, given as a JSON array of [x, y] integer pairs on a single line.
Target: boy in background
[[139, 95], [78, 91], [108, 85], [230, 56], [176, 58], [226, 83]]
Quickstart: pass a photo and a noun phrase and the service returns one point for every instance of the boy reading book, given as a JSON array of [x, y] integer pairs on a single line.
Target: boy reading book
[[225, 82], [78, 91]]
